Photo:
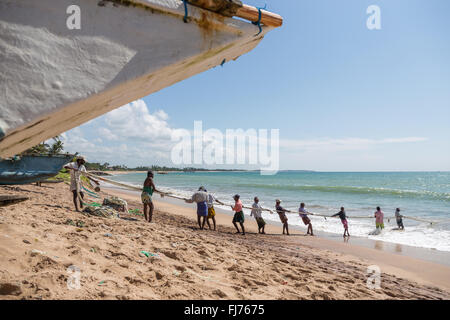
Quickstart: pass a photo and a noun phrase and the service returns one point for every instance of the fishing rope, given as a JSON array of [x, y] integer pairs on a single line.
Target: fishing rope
[[90, 193], [171, 195], [258, 23]]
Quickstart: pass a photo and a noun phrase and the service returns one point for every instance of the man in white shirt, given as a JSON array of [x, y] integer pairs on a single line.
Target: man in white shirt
[[77, 168], [201, 198], [257, 213]]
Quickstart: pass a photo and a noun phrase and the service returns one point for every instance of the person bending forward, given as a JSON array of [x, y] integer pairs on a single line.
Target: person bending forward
[[77, 169], [239, 214], [282, 214]]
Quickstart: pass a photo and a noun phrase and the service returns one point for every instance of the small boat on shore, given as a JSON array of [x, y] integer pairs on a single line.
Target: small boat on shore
[[31, 168]]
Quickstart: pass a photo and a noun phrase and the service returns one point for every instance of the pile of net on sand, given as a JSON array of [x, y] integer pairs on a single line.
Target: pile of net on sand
[[109, 209], [102, 211], [116, 203]]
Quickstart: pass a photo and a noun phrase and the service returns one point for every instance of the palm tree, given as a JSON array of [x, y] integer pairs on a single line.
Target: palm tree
[[57, 147], [44, 148], [41, 148]]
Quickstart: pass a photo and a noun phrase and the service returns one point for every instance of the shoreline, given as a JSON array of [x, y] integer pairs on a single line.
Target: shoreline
[[422, 253], [424, 265], [426, 225]]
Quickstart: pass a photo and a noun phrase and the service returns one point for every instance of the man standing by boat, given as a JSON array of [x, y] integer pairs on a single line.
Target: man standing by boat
[[77, 168]]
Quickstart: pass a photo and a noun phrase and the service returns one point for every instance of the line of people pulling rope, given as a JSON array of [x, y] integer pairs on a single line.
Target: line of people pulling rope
[[205, 211], [205, 204]]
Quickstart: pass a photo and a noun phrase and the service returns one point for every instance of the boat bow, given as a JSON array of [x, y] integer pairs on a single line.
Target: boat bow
[[55, 78]]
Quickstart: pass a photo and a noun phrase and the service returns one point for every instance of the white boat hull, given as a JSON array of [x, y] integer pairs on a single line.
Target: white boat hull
[[54, 79]]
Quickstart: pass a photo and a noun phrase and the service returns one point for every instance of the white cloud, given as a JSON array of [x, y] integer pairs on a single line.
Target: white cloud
[[107, 134], [134, 121], [133, 135], [129, 135]]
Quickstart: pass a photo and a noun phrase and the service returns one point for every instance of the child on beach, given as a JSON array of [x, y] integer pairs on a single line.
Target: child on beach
[[256, 212], [379, 215], [399, 220], [239, 214], [201, 198], [304, 215], [343, 218], [282, 214]]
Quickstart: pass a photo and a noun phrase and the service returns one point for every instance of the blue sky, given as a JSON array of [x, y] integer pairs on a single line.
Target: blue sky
[[345, 98]]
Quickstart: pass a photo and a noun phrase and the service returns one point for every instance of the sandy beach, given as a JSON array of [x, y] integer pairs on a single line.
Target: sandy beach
[[37, 247]]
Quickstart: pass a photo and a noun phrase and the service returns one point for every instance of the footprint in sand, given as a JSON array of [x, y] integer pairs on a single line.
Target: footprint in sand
[[220, 293]]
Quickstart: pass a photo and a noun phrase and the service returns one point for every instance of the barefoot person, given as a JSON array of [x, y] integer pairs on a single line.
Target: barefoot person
[[257, 213], [146, 196], [239, 214], [77, 168], [201, 198], [211, 211], [343, 218], [304, 215], [399, 219], [282, 214], [379, 216]]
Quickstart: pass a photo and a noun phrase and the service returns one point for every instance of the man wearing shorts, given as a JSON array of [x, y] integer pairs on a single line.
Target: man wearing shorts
[[304, 215], [399, 220], [379, 216], [146, 196], [257, 213], [77, 169], [201, 198], [239, 214], [211, 211], [343, 218], [282, 214]]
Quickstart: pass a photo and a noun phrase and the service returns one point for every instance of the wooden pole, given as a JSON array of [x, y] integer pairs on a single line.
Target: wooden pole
[[267, 18]]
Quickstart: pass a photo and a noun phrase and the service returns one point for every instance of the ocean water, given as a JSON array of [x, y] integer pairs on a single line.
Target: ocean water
[[425, 195]]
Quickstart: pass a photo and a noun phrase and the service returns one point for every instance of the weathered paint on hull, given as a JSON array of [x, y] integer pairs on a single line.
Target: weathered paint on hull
[[54, 79], [31, 169]]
